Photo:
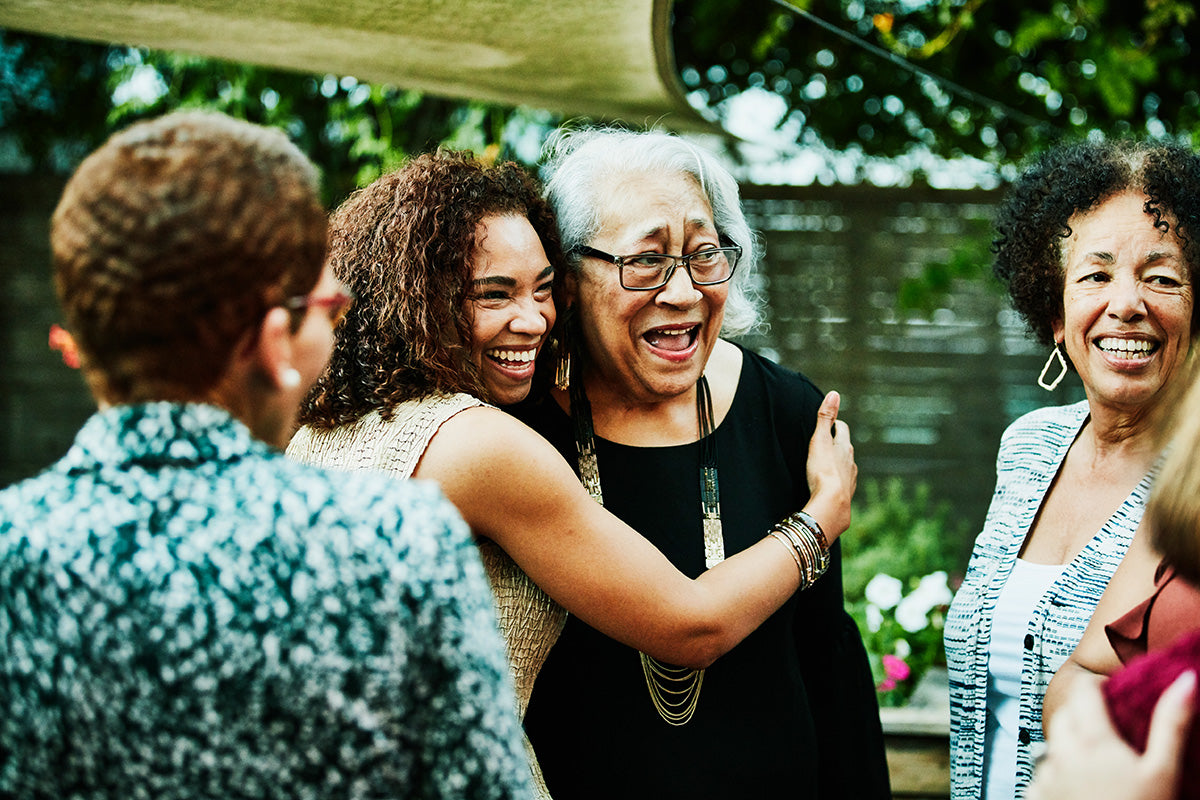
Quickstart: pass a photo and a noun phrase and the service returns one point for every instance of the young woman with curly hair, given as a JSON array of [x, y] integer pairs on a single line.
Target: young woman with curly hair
[[452, 264], [1097, 246]]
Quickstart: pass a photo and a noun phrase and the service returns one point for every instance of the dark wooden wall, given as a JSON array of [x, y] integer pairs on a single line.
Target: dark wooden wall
[[927, 395], [42, 402]]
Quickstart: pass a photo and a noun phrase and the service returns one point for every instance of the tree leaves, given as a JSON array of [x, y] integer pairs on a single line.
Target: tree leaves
[[59, 99], [1005, 81]]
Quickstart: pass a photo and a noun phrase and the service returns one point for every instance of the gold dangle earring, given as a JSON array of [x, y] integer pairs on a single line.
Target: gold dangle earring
[[562, 370], [1056, 353]]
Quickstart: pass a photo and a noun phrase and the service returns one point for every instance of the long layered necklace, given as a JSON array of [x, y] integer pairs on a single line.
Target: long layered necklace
[[674, 691]]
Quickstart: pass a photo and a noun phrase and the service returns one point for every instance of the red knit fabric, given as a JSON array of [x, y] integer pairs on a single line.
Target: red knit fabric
[[1132, 692]]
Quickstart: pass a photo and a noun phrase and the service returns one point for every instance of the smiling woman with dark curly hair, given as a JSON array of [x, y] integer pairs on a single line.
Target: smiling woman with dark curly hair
[[1097, 246], [413, 268], [1034, 222], [452, 263]]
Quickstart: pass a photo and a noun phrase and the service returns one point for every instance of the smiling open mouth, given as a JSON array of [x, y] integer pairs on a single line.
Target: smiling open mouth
[[512, 358], [674, 339], [1126, 348]]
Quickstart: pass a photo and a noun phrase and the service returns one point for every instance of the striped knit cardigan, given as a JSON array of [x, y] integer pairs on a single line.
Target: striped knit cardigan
[[1031, 452]]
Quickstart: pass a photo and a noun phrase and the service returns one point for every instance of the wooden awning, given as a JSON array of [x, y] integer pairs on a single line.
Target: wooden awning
[[608, 59]]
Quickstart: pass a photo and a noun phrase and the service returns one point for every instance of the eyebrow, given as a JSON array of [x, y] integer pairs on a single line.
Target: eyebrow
[[1155, 255], [505, 280], [1152, 257], [696, 223]]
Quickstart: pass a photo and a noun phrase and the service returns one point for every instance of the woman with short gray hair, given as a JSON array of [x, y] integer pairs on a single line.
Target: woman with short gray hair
[[691, 440]]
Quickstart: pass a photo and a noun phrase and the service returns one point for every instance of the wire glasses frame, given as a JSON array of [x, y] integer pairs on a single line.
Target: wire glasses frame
[[647, 271], [335, 305]]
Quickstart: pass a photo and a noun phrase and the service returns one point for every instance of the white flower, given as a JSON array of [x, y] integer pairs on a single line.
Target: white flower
[[903, 649], [911, 613], [884, 591], [874, 617], [932, 591]]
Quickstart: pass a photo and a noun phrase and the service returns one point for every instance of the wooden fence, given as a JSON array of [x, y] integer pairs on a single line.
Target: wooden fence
[[927, 395]]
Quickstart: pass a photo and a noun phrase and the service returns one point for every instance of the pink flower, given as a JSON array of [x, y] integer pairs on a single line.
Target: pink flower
[[895, 668], [886, 685]]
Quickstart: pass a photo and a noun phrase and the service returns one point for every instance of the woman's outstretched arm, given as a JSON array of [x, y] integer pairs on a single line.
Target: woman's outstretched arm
[[513, 487]]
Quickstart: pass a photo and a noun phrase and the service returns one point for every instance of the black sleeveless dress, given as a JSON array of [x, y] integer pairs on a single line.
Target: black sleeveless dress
[[789, 712]]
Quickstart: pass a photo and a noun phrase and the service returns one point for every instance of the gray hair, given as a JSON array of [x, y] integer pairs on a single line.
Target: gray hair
[[576, 161]]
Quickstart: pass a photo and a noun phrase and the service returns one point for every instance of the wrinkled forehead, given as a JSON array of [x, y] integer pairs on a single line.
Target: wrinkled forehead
[[638, 205], [1119, 227]]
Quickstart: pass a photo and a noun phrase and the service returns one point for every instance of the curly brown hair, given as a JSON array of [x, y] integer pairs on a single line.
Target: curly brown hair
[[405, 245], [171, 242], [1032, 222]]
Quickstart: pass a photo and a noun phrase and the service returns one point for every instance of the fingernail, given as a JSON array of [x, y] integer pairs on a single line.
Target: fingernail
[[1183, 686]]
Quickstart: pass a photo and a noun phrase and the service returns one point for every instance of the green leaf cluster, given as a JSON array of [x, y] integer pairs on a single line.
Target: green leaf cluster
[[901, 530], [60, 99], [970, 261], [979, 78]]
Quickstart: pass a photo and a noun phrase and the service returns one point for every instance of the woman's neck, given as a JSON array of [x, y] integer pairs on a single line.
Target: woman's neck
[[1122, 438], [619, 418], [661, 421]]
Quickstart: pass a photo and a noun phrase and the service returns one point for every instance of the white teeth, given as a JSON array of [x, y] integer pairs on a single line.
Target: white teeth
[[513, 355], [1131, 347]]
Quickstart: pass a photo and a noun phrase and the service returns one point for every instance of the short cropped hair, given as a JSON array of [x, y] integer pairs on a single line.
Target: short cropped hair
[[170, 243], [405, 245], [579, 162], [1032, 222]]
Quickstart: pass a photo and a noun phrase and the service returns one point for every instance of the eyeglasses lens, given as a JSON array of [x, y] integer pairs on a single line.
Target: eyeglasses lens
[[706, 267]]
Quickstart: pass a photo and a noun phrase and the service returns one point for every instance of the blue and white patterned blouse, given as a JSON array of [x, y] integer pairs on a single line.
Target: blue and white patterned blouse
[[185, 613], [1031, 452]]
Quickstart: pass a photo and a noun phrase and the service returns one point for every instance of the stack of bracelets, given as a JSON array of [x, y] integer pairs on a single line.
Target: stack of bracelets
[[805, 540]]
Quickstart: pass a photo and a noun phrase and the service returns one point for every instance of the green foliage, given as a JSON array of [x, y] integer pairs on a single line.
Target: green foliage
[[903, 539], [1011, 77], [970, 261], [1038, 28], [54, 90], [900, 530], [52, 96]]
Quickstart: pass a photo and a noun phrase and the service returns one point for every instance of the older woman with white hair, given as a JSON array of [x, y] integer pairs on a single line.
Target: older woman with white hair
[[697, 443]]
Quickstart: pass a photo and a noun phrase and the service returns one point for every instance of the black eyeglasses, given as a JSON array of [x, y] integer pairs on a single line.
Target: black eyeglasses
[[647, 271], [335, 305]]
